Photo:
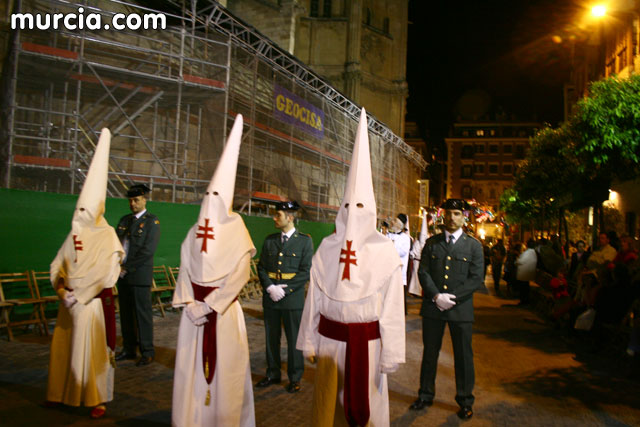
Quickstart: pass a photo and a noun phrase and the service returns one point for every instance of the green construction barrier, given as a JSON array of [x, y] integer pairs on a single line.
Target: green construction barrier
[[33, 226]]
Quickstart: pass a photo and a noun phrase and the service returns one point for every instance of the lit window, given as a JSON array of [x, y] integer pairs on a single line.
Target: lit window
[[480, 132]]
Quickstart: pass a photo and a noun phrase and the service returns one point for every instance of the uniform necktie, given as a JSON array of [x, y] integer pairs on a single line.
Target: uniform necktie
[[451, 240], [284, 238]]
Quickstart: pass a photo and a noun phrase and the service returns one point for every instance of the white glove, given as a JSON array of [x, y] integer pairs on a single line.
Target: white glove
[[276, 292], [67, 297], [387, 369], [197, 312], [123, 273], [445, 301]]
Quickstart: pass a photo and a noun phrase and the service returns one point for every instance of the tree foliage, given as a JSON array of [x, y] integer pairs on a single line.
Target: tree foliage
[[607, 127]]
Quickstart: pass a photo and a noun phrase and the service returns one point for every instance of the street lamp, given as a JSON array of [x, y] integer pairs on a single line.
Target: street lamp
[[599, 10]]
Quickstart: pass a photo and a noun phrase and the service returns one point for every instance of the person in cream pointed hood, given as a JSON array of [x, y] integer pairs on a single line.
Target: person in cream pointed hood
[[81, 362], [212, 380], [353, 318]]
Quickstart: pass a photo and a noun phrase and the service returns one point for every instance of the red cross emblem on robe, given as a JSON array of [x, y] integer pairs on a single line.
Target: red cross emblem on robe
[[347, 260], [77, 245], [205, 234]]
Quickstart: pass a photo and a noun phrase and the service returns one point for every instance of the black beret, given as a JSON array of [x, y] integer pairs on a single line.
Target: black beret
[[138, 190], [456, 204], [287, 206], [402, 217]]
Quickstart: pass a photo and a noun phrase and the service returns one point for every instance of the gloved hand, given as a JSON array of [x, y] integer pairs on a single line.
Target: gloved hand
[[66, 297], [276, 292], [445, 301], [387, 369], [197, 312]]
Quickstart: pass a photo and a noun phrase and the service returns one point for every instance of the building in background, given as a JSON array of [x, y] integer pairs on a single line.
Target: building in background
[[359, 46], [482, 158], [169, 98]]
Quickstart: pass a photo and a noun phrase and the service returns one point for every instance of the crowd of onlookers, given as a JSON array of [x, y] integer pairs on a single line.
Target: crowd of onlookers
[[593, 288]]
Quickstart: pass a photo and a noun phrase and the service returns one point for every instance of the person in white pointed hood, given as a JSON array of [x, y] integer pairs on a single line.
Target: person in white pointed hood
[[212, 380], [81, 364], [353, 319], [416, 251]]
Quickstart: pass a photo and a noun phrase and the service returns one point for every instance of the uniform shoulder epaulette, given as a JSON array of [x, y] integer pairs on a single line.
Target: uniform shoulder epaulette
[[472, 237], [305, 235]]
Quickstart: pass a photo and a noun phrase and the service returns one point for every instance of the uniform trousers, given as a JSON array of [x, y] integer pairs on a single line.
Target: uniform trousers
[[136, 319], [273, 319], [432, 332]]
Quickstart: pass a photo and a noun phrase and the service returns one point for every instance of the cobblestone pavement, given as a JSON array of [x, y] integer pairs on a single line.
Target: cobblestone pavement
[[526, 373]]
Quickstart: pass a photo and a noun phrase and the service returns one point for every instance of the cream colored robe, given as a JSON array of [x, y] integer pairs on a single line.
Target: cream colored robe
[[385, 305], [231, 388], [80, 372]]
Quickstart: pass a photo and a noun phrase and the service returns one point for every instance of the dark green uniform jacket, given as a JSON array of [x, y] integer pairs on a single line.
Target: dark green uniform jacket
[[294, 257], [457, 270], [143, 234]]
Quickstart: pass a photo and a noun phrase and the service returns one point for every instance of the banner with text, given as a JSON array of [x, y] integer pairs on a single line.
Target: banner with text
[[294, 110]]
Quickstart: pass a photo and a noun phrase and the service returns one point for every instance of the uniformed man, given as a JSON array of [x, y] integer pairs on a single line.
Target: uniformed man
[[139, 233], [284, 267], [450, 272]]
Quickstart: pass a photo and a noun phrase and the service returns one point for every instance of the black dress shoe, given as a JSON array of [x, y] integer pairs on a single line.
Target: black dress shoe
[[465, 413], [123, 355], [420, 404], [293, 387], [266, 382], [144, 360]]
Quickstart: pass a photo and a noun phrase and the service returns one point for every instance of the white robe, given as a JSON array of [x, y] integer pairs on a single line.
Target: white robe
[[387, 306], [80, 372], [231, 388]]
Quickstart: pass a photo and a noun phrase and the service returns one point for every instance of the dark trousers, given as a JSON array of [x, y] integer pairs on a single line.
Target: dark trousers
[[524, 290], [432, 332], [496, 270], [136, 319], [273, 319]]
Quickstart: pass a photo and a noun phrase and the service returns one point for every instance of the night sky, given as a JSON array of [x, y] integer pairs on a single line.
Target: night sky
[[485, 56]]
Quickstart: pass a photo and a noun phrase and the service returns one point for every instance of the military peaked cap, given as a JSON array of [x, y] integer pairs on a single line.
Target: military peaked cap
[[138, 190], [287, 206], [456, 204]]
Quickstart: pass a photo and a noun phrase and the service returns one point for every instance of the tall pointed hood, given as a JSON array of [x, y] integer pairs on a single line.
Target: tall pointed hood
[[84, 258], [348, 264], [218, 240], [424, 233]]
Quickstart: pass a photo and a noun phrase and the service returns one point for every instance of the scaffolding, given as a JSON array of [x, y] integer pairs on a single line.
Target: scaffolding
[[169, 97]]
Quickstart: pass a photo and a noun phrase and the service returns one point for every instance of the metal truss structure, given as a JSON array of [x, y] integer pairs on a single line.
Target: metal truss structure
[[168, 98]]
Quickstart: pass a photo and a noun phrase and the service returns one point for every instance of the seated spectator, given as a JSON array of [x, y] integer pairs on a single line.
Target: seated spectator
[[605, 253]]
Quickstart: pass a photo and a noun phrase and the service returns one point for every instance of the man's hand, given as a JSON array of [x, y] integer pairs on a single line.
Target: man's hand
[[276, 292], [445, 301], [197, 312], [67, 297]]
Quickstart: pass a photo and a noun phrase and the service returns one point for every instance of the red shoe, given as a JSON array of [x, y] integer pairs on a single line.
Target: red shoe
[[98, 411]]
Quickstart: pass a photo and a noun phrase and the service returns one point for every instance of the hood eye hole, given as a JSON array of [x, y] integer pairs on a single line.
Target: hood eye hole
[[215, 193], [360, 205], [346, 205], [81, 209], [207, 193]]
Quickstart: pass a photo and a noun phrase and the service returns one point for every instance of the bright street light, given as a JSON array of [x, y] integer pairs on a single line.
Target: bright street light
[[598, 11]]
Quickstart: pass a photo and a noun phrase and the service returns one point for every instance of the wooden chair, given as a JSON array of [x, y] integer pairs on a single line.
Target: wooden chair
[[253, 288], [47, 294], [5, 313], [161, 285], [19, 290], [173, 274]]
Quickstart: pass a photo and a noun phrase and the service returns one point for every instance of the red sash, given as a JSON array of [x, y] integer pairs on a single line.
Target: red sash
[[109, 309], [209, 348], [356, 375]]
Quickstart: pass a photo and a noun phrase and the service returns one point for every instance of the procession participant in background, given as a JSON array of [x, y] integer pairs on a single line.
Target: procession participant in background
[[353, 324], [283, 269], [416, 252], [402, 243], [139, 233], [212, 380], [450, 272], [81, 364]]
